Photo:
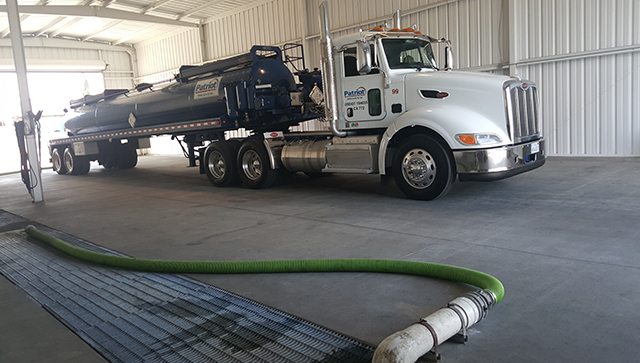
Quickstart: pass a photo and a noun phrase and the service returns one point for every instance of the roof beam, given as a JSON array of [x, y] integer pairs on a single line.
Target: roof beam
[[64, 27], [50, 25], [152, 6], [156, 9], [135, 34], [57, 20], [196, 9], [65, 43], [143, 10], [104, 29], [5, 32], [95, 11]]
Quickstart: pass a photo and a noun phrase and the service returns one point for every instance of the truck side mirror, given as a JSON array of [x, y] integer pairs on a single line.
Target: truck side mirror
[[448, 60], [363, 56]]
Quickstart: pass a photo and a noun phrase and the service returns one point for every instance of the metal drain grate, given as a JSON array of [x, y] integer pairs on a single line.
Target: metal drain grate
[[130, 316]]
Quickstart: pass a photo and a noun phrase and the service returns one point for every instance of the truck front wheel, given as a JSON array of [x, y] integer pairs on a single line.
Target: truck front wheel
[[221, 166], [254, 166], [422, 168]]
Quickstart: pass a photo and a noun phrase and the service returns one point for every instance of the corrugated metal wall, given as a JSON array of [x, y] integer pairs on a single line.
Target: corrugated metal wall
[[158, 59], [268, 23], [477, 28], [583, 54], [585, 57], [119, 72]]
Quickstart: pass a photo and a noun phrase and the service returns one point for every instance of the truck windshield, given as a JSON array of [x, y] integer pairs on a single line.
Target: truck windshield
[[409, 53]]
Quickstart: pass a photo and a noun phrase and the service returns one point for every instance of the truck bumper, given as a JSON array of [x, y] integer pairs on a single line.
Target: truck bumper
[[499, 163]]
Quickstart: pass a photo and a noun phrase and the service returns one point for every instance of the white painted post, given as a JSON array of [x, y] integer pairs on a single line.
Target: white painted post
[[30, 130]]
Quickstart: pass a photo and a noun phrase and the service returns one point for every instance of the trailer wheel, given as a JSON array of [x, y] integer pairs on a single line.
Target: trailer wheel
[[125, 158], [254, 166], [75, 165], [108, 163], [133, 158], [58, 162], [220, 163], [422, 168]]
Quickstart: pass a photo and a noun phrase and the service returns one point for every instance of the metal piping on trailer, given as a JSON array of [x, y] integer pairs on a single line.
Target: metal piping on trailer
[[329, 73], [402, 347]]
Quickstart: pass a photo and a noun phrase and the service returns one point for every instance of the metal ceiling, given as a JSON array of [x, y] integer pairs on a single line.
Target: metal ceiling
[[113, 21]]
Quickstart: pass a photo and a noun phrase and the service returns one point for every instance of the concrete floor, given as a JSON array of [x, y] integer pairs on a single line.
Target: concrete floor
[[564, 240]]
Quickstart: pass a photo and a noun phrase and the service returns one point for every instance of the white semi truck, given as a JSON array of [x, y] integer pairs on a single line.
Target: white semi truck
[[392, 110]]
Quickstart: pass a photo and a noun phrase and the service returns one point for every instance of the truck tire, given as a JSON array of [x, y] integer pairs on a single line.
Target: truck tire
[[254, 167], [75, 165], [220, 163], [57, 159], [422, 168]]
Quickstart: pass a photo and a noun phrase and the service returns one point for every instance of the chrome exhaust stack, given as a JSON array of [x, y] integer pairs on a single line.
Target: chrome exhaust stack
[[329, 72]]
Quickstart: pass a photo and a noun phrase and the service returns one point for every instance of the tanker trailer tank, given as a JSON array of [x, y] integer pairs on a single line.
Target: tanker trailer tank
[[252, 90]]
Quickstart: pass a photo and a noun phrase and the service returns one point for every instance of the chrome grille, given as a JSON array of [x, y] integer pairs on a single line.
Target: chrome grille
[[522, 110]]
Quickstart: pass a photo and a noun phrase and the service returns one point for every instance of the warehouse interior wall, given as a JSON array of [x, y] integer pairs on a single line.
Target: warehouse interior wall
[[58, 70], [584, 55], [52, 102], [59, 55]]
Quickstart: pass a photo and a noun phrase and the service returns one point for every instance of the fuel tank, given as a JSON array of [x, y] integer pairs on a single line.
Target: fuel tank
[[244, 91]]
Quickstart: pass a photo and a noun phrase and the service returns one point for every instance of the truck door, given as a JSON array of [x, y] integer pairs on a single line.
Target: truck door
[[362, 96]]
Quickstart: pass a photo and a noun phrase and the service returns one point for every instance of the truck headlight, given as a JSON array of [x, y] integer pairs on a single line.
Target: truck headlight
[[478, 139]]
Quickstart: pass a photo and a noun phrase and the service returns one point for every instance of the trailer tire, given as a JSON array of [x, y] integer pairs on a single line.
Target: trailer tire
[[85, 165], [57, 159], [108, 164], [220, 163], [254, 167], [422, 168], [125, 158], [75, 165], [133, 158]]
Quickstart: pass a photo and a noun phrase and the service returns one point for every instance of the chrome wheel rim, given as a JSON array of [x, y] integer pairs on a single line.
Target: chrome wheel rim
[[252, 165], [418, 168], [68, 160], [56, 160], [216, 164]]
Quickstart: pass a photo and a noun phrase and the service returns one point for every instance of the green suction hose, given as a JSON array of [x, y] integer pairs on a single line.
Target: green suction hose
[[446, 272]]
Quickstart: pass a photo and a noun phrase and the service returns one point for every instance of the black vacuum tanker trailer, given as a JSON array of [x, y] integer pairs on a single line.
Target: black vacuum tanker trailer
[[390, 108], [255, 91]]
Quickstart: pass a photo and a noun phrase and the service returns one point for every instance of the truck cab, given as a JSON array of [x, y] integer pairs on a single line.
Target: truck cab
[[434, 123]]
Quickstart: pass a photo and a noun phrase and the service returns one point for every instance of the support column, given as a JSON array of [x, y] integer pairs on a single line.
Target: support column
[[302, 19], [513, 36], [203, 42], [25, 103]]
